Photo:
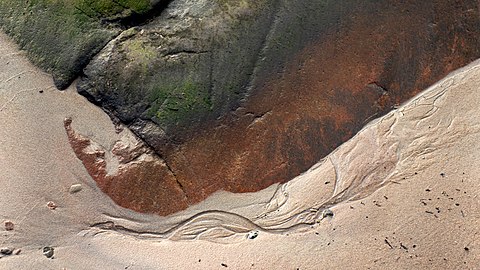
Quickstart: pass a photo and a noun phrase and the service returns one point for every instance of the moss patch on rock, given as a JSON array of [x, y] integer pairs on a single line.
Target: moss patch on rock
[[190, 65], [108, 8], [172, 103], [61, 36]]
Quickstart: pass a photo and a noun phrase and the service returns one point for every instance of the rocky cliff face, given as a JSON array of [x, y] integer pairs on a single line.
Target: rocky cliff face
[[238, 95]]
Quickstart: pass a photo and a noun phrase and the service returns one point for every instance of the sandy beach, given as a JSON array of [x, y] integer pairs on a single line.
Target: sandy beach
[[402, 193]]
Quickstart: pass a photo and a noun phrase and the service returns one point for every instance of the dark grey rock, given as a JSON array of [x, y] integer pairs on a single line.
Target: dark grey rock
[[327, 213], [6, 250], [48, 252], [192, 64]]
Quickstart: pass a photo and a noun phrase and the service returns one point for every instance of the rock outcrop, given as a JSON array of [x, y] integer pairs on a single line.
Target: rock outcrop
[[238, 95], [63, 36], [130, 173]]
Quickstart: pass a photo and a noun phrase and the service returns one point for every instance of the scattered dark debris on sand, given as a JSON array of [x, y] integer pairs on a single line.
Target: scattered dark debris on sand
[[403, 246], [388, 243]]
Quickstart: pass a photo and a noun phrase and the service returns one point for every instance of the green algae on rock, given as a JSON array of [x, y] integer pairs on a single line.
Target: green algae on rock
[[61, 36], [191, 64], [110, 8]]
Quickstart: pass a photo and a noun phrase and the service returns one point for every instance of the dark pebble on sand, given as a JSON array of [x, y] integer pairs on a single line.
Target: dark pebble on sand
[[6, 251], [48, 252], [9, 226]]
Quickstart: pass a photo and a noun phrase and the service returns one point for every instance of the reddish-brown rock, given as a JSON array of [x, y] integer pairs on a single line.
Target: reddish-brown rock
[[141, 181], [379, 56]]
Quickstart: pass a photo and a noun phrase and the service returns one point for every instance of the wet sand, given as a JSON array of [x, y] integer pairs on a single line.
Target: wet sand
[[403, 192]]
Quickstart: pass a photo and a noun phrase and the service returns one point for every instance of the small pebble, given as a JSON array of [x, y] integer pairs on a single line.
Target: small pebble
[[75, 188], [6, 250], [327, 213], [9, 226], [51, 205], [252, 234], [48, 252]]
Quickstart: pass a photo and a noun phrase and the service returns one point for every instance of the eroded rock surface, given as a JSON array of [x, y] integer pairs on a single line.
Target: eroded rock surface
[[130, 173]]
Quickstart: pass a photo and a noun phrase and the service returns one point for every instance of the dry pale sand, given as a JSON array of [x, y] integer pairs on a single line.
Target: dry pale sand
[[403, 192]]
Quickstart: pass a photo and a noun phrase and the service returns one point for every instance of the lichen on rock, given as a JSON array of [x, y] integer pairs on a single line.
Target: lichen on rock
[[62, 36], [190, 64]]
